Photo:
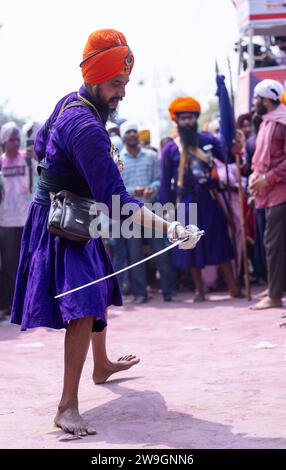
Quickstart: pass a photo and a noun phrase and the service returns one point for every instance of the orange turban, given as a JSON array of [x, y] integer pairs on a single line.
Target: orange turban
[[184, 104], [283, 98], [144, 135], [106, 54]]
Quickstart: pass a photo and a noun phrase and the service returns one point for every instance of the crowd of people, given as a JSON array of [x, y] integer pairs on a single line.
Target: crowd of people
[[190, 167], [82, 149], [269, 52]]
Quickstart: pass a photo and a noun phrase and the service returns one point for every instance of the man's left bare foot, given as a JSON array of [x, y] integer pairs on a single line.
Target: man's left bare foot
[[103, 372]]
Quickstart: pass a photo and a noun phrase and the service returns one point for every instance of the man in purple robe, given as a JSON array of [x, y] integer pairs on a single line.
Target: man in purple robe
[[188, 174], [74, 151]]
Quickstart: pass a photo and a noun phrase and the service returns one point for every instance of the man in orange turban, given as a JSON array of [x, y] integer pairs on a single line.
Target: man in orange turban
[[188, 175], [185, 104], [79, 160], [106, 66], [145, 139]]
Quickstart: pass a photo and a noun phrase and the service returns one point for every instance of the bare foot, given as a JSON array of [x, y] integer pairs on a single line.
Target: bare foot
[[237, 295], [199, 298], [101, 374], [71, 421], [263, 293], [267, 302]]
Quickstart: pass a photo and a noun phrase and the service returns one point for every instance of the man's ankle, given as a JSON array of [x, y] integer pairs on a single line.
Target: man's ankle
[[275, 301], [67, 405]]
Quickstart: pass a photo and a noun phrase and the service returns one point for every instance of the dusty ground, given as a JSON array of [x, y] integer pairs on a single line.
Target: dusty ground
[[194, 388]]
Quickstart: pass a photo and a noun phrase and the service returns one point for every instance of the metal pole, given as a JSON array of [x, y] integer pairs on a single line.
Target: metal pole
[[250, 51]]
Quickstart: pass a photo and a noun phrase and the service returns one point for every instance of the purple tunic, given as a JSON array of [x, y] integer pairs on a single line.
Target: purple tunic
[[78, 144]]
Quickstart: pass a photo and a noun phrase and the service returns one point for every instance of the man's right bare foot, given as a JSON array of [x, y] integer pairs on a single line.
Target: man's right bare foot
[[263, 293], [267, 302], [71, 422]]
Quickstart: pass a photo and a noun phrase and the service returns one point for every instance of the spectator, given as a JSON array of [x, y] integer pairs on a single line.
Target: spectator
[[268, 184], [141, 176], [16, 197], [189, 163], [145, 139], [280, 55]]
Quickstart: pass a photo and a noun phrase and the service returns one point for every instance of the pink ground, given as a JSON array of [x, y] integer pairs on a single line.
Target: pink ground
[[194, 388]]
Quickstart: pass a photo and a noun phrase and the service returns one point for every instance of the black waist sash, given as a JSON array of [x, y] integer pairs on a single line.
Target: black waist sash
[[54, 182]]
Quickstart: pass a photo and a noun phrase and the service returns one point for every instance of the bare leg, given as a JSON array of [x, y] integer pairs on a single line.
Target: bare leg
[[77, 341], [103, 367], [197, 278], [229, 279]]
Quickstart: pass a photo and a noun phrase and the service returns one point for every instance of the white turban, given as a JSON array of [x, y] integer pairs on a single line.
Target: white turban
[[128, 126], [111, 125], [269, 89], [7, 130], [30, 129]]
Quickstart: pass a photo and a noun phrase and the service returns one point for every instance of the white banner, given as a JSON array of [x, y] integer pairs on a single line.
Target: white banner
[[258, 13]]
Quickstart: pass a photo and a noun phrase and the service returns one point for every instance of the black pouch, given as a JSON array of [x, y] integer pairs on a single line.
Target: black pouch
[[71, 216]]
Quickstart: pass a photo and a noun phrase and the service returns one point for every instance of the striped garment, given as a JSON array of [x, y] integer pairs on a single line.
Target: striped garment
[[142, 170]]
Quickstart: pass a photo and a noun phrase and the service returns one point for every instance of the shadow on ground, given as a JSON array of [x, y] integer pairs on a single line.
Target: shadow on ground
[[141, 419]]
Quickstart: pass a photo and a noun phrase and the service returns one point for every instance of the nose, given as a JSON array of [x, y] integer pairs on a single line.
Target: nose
[[122, 92]]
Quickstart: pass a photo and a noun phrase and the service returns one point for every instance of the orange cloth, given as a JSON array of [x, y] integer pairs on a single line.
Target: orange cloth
[[185, 104], [106, 64], [283, 98], [144, 134]]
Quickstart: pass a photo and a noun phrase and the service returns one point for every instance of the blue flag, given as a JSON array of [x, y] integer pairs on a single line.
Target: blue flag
[[227, 126]]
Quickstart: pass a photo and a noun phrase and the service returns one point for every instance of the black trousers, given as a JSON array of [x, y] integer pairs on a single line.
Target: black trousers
[[275, 247], [10, 245]]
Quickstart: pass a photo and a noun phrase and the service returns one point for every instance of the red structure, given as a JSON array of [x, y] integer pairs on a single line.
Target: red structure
[[260, 23]]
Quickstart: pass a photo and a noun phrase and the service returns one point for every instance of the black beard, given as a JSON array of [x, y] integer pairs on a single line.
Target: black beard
[[103, 109], [189, 136], [112, 114], [256, 121], [261, 109]]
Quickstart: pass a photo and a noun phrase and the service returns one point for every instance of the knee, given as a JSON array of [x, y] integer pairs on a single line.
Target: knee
[[82, 322]]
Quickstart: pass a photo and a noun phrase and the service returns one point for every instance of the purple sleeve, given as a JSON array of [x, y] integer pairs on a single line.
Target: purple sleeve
[[41, 139], [90, 147]]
